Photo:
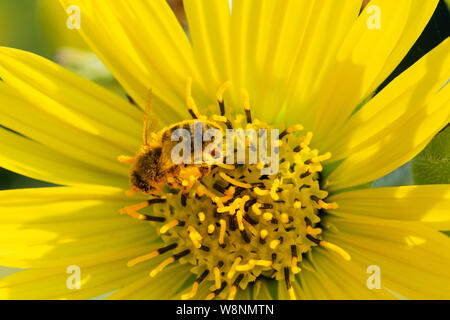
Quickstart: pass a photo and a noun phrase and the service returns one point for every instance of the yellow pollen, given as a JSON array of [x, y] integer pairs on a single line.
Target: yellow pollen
[[284, 218], [161, 266], [201, 216], [313, 231], [211, 229], [217, 277], [237, 183], [223, 226], [324, 205], [321, 158], [262, 263], [143, 258], [263, 233], [260, 192], [233, 267], [239, 220], [344, 254], [297, 127], [306, 140], [292, 294], [256, 210], [191, 294], [246, 99], [169, 226], [195, 237], [294, 267], [273, 190], [267, 216], [232, 294], [274, 244], [245, 267], [297, 204], [125, 159], [260, 165], [222, 89]]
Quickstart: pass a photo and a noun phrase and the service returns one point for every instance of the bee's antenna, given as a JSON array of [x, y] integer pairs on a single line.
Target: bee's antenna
[[146, 117]]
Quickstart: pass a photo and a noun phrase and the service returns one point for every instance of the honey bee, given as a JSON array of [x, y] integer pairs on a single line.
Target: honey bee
[[152, 168]]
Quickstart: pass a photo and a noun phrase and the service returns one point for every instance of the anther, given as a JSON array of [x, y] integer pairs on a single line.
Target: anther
[[151, 255], [288, 284], [194, 289], [233, 267], [274, 244], [234, 287], [170, 225], [168, 261], [247, 106], [223, 226]]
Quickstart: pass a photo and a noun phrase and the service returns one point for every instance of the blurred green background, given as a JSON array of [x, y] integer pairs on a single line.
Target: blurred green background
[[35, 25]]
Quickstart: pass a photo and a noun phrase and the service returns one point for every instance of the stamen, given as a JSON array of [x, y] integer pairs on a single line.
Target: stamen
[[284, 218], [211, 229], [288, 285], [260, 192], [192, 107], [239, 220], [195, 236], [234, 287], [247, 106], [194, 289], [222, 89], [294, 265], [223, 227], [274, 244], [168, 261], [262, 263], [169, 226], [255, 208], [233, 267], [273, 190], [217, 277], [151, 255], [201, 216], [237, 183], [330, 246], [125, 159], [321, 158]]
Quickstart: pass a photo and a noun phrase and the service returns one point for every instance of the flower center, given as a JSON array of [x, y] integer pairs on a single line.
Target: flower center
[[236, 224]]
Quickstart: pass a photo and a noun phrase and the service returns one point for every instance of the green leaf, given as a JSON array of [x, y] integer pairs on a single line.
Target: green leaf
[[432, 165]]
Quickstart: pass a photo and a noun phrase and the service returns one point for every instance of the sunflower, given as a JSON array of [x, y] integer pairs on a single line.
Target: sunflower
[[312, 230]]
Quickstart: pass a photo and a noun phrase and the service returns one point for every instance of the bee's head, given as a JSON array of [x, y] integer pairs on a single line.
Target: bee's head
[[146, 175]]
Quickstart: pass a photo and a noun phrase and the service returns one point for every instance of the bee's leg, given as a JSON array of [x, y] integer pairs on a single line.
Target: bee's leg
[[125, 159], [192, 107]]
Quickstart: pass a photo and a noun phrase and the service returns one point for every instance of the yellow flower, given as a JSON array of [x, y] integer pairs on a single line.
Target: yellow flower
[[307, 62]]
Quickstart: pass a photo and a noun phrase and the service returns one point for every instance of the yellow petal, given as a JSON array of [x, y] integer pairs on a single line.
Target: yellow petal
[[98, 114], [333, 278], [163, 287], [50, 227], [37, 161], [396, 106], [367, 56], [143, 45], [328, 23], [413, 259], [395, 148], [209, 26], [426, 203], [52, 283]]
